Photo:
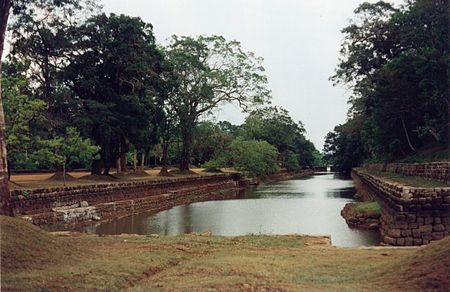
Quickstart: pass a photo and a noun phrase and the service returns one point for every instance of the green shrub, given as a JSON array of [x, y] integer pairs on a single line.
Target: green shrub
[[256, 158]]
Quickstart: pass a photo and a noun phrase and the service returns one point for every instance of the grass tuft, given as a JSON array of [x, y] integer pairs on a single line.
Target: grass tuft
[[367, 207]]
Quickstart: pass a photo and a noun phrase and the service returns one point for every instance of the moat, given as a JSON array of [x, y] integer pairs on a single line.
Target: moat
[[310, 205]]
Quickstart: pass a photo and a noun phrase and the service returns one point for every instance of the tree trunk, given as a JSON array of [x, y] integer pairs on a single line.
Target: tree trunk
[[5, 195], [142, 159], [118, 165], [96, 167], [106, 169], [123, 162], [64, 174], [186, 133], [407, 135], [135, 160], [165, 151]]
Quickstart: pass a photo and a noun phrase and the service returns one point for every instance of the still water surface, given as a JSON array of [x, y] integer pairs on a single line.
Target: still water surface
[[310, 205]]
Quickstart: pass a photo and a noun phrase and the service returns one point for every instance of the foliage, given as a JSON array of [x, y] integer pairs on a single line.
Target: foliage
[[274, 125], [72, 67], [215, 165], [68, 149], [343, 147], [209, 141], [209, 71], [23, 114], [43, 36], [116, 76], [256, 158], [395, 60]]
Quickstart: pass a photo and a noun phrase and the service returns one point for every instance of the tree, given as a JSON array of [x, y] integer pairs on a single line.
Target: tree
[[22, 9], [23, 114], [5, 195], [396, 61], [255, 158], [71, 147], [169, 128], [210, 71], [117, 77], [344, 147], [43, 36], [209, 141], [274, 125]]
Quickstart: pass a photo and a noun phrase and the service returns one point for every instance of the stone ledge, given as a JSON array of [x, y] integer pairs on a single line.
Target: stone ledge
[[409, 216], [432, 170]]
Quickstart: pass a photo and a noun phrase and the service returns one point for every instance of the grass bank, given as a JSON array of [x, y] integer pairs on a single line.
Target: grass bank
[[33, 259], [412, 181], [367, 207]]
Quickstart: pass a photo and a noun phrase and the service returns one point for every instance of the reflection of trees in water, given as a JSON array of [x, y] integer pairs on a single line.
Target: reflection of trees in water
[[174, 221], [345, 193], [343, 176], [165, 223], [186, 217]]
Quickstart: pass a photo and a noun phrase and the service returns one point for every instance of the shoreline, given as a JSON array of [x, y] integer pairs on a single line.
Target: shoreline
[[66, 208]]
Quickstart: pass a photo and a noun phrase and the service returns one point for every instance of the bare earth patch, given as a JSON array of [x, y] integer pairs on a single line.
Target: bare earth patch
[[46, 180]]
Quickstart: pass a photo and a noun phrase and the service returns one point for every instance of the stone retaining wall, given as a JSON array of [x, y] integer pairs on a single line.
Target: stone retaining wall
[[55, 206], [433, 170], [409, 216]]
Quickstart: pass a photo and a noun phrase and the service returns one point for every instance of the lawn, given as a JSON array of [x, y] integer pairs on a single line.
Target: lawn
[[412, 181], [33, 259]]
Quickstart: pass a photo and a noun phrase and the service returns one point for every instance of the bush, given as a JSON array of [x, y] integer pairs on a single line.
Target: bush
[[216, 164], [257, 158]]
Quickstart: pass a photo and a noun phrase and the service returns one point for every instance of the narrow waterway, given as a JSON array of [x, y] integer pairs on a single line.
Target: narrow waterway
[[310, 205]]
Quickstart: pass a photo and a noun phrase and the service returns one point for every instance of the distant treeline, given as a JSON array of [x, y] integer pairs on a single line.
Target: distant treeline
[[85, 89], [396, 62]]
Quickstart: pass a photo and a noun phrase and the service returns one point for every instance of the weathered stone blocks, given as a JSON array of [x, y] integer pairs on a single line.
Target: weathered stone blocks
[[103, 201], [433, 170], [410, 216]]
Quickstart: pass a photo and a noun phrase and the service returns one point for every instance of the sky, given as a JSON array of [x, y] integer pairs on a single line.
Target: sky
[[298, 39]]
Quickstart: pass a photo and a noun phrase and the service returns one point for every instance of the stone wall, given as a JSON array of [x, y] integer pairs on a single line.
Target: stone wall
[[433, 170], [68, 205], [409, 216]]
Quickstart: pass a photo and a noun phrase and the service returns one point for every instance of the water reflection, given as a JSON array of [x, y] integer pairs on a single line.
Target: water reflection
[[311, 206]]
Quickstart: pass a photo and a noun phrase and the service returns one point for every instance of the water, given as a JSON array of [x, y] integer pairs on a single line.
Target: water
[[309, 206]]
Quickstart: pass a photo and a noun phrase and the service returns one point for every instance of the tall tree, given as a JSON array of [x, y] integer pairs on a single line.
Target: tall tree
[[274, 125], [396, 62], [117, 77], [211, 70], [4, 187], [24, 115], [43, 35]]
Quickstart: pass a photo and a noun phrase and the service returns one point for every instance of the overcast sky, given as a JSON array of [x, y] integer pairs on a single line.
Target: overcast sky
[[298, 39]]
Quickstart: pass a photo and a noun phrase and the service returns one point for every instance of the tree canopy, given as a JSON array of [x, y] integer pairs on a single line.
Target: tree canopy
[[209, 71], [396, 62], [117, 80], [87, 89]]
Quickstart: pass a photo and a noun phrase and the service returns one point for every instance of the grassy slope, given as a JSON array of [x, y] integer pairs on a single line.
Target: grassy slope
[[140, 263], [412, 181], [428, 153]]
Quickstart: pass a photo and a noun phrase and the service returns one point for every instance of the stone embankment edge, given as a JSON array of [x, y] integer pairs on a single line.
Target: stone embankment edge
[[64, 207], [431, 170], [59, 208], [409, 215], [360, 220]]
